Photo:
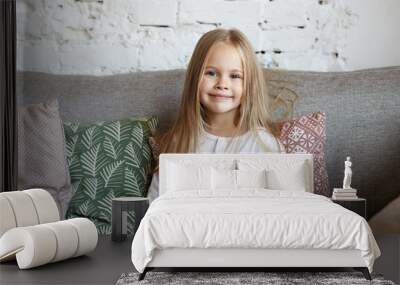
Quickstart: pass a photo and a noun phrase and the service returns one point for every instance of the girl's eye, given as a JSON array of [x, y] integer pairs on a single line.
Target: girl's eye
[[236, 76], [211, 73]]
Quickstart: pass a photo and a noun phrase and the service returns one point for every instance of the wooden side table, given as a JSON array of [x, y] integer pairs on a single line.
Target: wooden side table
[[120, 208], [357, 205]]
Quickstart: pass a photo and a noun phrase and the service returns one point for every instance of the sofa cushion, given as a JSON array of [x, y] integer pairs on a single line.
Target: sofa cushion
[[41, 152], [306, 134], [107, 160]]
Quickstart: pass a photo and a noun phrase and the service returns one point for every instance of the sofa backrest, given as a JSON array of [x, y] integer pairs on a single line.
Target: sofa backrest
[[362, 108]]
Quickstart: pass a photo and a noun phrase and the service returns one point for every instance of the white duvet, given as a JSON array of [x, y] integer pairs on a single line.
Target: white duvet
[[251, 218]]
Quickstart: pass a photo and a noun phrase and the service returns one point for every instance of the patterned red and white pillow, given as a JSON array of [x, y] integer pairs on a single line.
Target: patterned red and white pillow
[[306, 134]]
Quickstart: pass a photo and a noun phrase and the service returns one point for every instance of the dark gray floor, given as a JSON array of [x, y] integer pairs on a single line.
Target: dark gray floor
[[102, 266], [111, 259]]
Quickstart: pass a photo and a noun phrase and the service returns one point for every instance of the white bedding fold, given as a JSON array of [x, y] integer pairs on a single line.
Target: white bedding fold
[[251, 218]]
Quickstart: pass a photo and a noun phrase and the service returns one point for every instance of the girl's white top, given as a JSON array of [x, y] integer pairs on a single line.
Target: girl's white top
[[246, 143]]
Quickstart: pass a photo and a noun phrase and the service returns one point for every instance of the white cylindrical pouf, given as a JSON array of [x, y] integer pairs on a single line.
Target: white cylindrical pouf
[[67, 239], [26, 208], [40, 247], [7, 218], [31, 232], [23, 208], [87, 234], [33, 246], [46, 207], [40, 244]]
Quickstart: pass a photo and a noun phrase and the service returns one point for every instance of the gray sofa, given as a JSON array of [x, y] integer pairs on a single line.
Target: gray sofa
[[362, 107]]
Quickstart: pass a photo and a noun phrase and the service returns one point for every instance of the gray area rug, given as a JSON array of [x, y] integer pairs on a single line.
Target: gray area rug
[[270, 278]]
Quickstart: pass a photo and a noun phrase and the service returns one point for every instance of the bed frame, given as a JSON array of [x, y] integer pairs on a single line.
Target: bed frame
[[246, 258], [242, 259]]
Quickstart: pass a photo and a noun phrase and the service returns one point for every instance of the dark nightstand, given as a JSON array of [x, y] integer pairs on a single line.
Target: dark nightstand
[[357, 205], [120, 208]]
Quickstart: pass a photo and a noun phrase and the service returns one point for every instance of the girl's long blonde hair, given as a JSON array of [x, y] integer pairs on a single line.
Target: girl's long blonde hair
[[254, 111]]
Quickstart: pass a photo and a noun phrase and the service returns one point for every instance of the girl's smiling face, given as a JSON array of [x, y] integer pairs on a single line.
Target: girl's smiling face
[[221, 86]]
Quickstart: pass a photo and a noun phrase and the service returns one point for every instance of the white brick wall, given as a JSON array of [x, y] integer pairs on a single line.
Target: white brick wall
[[157, 12], [119, 36]]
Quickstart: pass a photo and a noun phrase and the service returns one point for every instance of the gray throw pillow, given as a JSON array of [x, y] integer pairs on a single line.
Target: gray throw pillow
[[41, 152]]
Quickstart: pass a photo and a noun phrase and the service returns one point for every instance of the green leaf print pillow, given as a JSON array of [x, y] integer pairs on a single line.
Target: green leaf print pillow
[[107, 160]]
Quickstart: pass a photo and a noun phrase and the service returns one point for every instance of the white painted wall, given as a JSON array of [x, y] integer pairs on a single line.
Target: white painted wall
[[118, 36], [375, 40]]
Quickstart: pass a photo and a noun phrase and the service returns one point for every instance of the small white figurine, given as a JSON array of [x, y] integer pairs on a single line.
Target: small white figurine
[[347, 174]]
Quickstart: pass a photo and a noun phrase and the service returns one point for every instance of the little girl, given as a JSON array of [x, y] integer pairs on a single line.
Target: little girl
[[224, 105]]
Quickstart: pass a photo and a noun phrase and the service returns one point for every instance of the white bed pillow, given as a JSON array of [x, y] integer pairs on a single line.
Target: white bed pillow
[[282, 174], [182, 177], [251, 178], [290, 179], [229, 179], [223, 179]]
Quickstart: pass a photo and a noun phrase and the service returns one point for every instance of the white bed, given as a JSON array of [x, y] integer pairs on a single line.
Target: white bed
[[247, 210]]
